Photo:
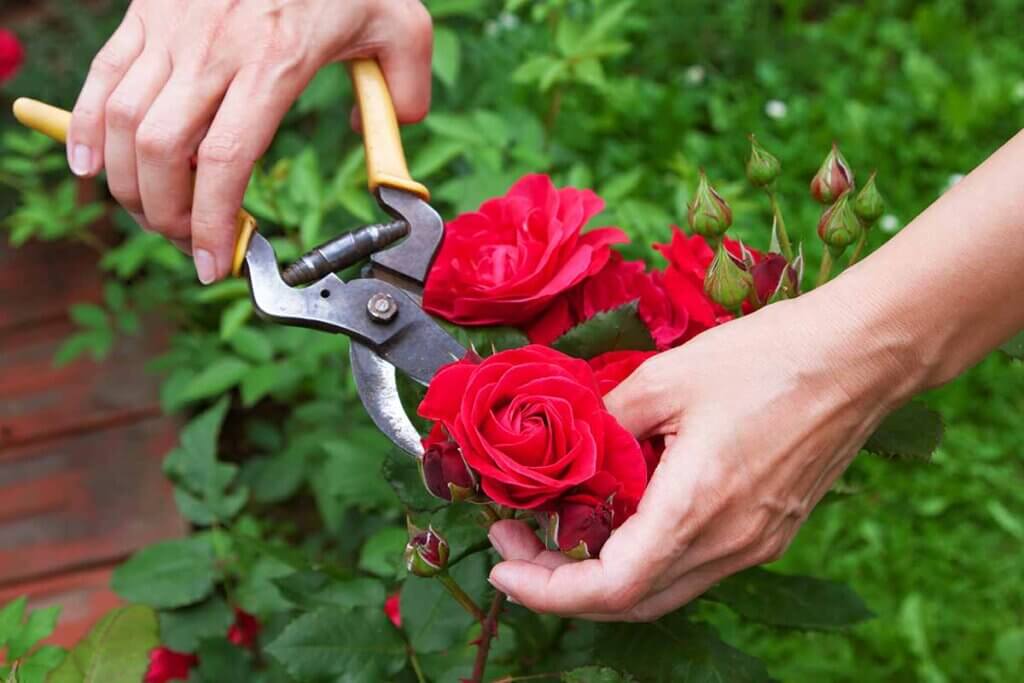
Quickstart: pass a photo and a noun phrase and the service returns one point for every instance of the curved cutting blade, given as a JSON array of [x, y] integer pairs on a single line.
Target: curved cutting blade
[[378, 388]]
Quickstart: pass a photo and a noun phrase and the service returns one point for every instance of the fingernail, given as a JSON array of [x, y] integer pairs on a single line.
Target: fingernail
[[206, 266], [80, 160], [496, 543], [494, 582]]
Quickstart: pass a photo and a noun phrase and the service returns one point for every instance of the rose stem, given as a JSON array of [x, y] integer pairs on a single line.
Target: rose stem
[[488, 629], [532, 677], [415, 661], [461, 596], [858, 249], [826, 268]]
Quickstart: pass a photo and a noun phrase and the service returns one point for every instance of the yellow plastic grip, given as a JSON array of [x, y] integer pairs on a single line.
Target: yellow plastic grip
[[385, 158], [54, 123]]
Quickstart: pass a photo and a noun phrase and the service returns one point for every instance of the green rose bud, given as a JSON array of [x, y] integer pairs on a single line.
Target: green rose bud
[[762, 167], [709, 215], [839, 226], [726, 283], [869, 205], [833, 179], [427, 552]]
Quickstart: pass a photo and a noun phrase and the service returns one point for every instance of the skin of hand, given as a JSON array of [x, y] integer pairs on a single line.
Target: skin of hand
[[763, 414], [210, 81]]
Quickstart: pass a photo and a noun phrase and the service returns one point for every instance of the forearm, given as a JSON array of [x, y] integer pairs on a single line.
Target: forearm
[[947, 289]]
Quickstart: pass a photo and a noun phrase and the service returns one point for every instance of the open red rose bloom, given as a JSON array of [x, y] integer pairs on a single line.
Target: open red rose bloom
[[527, 428]]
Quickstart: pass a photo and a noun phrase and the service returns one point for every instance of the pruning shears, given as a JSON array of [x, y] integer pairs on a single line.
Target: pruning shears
[[380, 311]]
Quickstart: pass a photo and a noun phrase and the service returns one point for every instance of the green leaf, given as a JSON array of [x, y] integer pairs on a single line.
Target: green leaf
[[673, 649], [596, 674], [252, 345], [10, 619], [167, 575], [220, 660], [40, 624], [447, 56], [216, 379], [403, 474], [115, 651], [199, 437], [276, 478], [792, 601], [233, 317], [89, 315], [310, 589], [914, 432], [350, 646], [618, 329], [1015, 347], [431, 618], [36, 667], [382, 552], [487, 340], [350, 475], [182, 629]]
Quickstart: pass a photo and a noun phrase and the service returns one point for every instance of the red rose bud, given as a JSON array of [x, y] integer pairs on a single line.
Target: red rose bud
[[167, 665], [12, 55], [839, 226], [245, 631], [869, 205], [762, 167], [775, 279], [392, 608], [426, 554], [709, 215], [580, 530], [445, 472], [726, 283], [833, 179]]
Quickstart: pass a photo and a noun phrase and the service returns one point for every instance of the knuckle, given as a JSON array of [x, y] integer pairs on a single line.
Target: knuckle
[[127, 195], [108, 62], [772, 550], [223, 148], [158, 143], [123, 112], [626, 597], [419, 23]]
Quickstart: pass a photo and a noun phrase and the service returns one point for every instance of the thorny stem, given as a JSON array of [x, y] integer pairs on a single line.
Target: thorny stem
[[784, 243], [488, 631], [461, 596]]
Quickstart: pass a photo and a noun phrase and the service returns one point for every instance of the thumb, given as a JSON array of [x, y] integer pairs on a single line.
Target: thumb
[[647, 402]]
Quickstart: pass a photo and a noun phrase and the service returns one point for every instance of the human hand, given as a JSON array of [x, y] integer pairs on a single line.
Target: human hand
[[760, 416], [213, 80]]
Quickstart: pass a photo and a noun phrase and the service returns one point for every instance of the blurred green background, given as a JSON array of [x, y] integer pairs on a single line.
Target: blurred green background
[[632, 99]]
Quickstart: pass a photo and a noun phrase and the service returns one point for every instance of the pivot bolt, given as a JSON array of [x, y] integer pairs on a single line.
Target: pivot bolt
[[382, 307]]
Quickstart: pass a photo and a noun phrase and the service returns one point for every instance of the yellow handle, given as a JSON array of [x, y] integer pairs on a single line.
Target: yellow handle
[[385, 159], [54, 123]]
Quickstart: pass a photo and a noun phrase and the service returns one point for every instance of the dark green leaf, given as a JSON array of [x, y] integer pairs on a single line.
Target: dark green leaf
[[447, 55], [311, 589], [115, 651], [596, 674], [218, 378], [354, 646], [403, 473], [618, 329], [276, 478], [382, 552], [220, 660], [167, 575], [914, 431], [792, 601], [487, 340], [182, 629], [431, 618]]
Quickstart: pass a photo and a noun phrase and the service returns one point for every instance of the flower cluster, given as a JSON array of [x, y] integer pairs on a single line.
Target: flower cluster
[[526, 428]]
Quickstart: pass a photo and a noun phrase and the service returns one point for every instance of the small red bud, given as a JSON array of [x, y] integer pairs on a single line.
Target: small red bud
[[869, 205], [580, 530], [426, 554], [445, 472], [726, 282], [833, 178], [774, 279]]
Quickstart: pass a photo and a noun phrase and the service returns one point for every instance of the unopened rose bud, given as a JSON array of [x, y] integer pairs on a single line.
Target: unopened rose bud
[[726, 283], [869, 205], [709, 214], [426, 554], [833, 179], [445, 472], [762, 167], [774, 279], [580, 530], [839, 226]]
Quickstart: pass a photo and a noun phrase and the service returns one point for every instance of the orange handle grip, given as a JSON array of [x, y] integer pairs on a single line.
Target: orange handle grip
[[385, 158]]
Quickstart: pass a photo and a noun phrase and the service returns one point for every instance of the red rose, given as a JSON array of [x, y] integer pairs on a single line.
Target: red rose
[[392, 608], [12, 55], [505, 263], [580, 530], [618, 283], [167, 665], [246, 629], [768, 274], [532, 425], [688, 260], [611, 369], [444, 470]]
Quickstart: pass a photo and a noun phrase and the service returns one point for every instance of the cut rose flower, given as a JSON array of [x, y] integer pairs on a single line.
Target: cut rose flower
[[506, 262], [533, 427], [618, 283]]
